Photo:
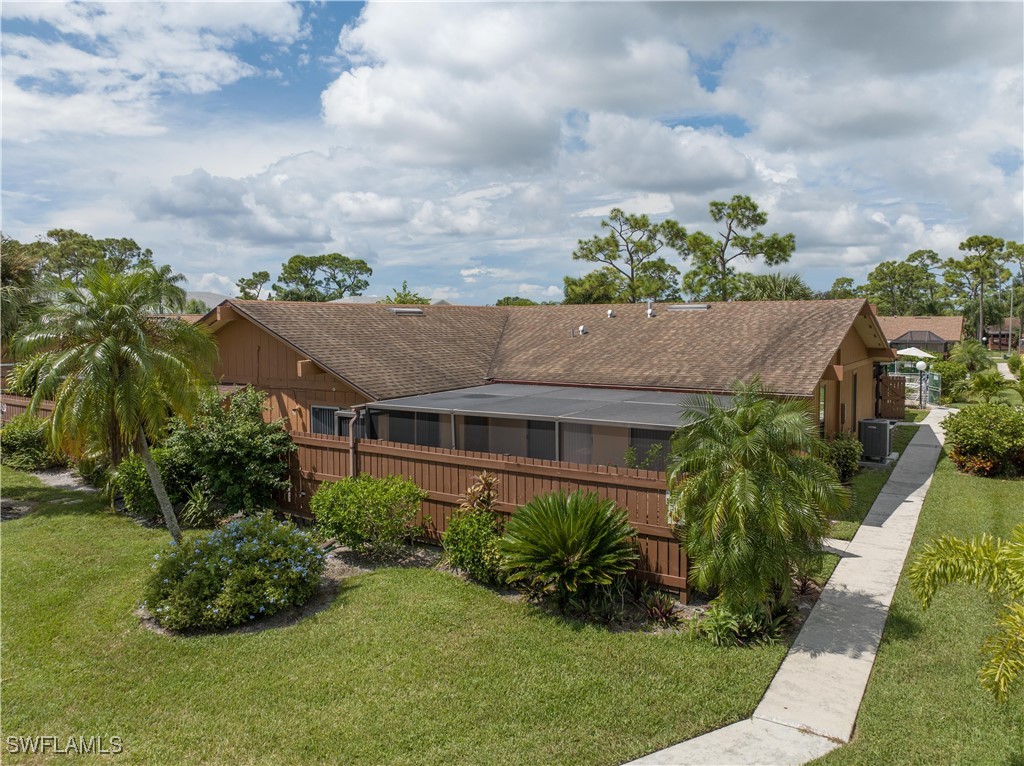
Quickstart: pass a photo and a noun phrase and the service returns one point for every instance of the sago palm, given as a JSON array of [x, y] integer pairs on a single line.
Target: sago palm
[[567, 545], [749, 496], [116, 373], [995, 566]]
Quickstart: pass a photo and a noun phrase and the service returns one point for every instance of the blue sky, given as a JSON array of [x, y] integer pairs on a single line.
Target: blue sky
[[466, 147]]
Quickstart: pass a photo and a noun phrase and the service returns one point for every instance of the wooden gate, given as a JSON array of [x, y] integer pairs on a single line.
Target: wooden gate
[[892, 392]]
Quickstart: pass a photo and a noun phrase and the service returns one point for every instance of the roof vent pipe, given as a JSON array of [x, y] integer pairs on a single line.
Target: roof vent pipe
[[650, 309], [611, 313], [583, 329]]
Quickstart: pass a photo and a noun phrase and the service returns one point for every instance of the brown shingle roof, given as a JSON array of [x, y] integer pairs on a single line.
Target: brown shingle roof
[[788, 344], [383, 354], [947, 328]]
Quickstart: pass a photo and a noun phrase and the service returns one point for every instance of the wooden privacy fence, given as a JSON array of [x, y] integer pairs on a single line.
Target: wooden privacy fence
[[12, 406], [445, 475]]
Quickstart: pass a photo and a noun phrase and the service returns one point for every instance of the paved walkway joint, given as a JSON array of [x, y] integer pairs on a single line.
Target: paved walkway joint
[[811, 705]]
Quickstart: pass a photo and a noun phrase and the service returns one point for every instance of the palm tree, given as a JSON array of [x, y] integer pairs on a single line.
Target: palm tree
[[115, 372], [971, 354], [774, 287], [750, 498], [18, 294], [986, 386], [993, 565]]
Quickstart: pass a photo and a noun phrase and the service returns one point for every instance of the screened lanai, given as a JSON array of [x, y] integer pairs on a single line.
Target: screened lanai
[[600, 426]]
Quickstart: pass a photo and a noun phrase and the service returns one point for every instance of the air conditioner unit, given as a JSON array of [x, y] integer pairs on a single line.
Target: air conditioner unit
[[875, 436]]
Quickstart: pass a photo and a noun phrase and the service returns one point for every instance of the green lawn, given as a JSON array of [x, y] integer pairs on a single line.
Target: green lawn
[[407, 666], [915, 416], [866, 485], [923, 703]]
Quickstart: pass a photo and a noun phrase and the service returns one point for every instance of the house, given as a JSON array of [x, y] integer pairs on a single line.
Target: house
[[431, 375], [549, 397], [1005, 336], [933, 334]]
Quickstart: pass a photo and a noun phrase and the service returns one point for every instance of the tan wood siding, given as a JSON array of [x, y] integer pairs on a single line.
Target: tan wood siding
[[249, 354]]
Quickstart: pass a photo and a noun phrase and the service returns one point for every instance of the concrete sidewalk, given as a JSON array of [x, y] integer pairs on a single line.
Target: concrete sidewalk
[[811, 705], [1004, 370]]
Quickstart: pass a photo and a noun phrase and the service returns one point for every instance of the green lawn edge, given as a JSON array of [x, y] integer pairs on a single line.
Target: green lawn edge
[[923, 704]]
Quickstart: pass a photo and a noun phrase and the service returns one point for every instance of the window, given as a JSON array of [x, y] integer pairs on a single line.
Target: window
[[474, 434], [540, 439], [332, 421], [651, 447], [577, 442], [421, 428]]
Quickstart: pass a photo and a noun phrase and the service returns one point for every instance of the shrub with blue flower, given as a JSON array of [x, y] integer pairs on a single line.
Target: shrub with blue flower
[[252, 566]]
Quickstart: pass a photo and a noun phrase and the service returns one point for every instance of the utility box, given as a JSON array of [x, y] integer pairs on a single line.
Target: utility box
[[875, 437]]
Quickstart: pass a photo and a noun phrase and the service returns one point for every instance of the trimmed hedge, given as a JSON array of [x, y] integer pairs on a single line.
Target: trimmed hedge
[[843, 453], [987, 439], [368, 515]]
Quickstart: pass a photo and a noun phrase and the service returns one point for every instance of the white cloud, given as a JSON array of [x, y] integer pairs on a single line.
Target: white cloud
[[124, 57], [472, 145]]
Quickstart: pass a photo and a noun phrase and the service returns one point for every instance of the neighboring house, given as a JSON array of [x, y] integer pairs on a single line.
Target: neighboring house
[[549, 397], [933, 334], [1004, 336]]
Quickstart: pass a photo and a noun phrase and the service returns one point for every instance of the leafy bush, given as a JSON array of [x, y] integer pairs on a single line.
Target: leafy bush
[[94, 470], [987, 439], [24, 444], [250, 568], [471, 539], [953, 374], [199, 509], [1014, 363], [725, 627], [659, 605], [240, 458], [367, 514], [132, 482], [567, 545], [843, 453]]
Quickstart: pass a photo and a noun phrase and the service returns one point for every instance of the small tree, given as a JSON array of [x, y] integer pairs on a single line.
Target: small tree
[[630, 254], [405, 297], [249, 288], [774, 287], [997, 567], [712, 260], [971, 354], [750, 498], [239, 459], [321, 278]]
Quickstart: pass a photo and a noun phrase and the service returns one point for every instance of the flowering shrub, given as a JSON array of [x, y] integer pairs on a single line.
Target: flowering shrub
[[249, 568]]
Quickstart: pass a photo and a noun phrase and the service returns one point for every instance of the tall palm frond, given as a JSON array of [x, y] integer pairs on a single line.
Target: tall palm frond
[[997, 567]]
